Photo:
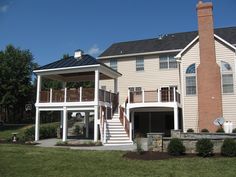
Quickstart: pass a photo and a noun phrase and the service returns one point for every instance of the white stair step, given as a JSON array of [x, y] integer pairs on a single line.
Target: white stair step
[[117, 135], [118, 138]]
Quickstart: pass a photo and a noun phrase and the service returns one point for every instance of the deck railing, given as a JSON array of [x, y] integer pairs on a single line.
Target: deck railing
[[147, 96], [76, 95]]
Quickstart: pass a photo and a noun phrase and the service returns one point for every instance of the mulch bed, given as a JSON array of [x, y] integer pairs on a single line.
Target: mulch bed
[[148, 155], [78, 145]]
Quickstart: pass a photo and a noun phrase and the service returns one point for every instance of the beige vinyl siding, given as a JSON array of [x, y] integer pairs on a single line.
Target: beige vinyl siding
[[190, 102], [224, 53], [151, 78]]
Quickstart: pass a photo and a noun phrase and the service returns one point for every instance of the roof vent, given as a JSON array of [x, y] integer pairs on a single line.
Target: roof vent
[[78, 54]]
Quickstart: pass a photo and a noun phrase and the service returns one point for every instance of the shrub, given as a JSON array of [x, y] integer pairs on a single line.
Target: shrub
[[204, 130], [176, 147], [77, 130], [228, 148], [234, 130], [190, 130], [220, 130], [46, 131], [204, 147], [138, 142]]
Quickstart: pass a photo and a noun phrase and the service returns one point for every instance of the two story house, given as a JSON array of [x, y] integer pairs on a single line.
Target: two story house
[[175, 81]]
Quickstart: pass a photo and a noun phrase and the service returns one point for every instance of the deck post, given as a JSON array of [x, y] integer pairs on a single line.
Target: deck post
[[176, 118], [87, 124], [50, 96], [174, 90], [38, 88], [80, 94], [115, 85], [96, 107], [37, 124], [143, 96], [64, 136]]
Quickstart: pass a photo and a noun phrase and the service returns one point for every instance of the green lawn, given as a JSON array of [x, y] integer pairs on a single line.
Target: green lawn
[[28, 161]]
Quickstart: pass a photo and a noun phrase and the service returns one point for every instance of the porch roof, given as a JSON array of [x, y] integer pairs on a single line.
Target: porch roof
[[86, 64]]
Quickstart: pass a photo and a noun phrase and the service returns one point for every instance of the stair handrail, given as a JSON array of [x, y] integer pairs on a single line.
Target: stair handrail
[[124, 121]]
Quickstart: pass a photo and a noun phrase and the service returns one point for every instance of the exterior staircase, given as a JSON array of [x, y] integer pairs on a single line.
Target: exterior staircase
[[115, 132]]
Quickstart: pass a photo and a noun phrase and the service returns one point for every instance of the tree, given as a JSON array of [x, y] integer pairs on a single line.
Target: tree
[[16, 86]]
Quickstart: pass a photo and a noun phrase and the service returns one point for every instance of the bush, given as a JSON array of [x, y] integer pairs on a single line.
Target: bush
[[220, 130], [77, 130], [190, 130], [228, 148], [46, 131], [204, 147], [234, 130], [176, 147]]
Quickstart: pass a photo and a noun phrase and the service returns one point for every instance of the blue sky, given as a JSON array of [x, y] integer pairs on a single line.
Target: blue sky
[[51, 28]]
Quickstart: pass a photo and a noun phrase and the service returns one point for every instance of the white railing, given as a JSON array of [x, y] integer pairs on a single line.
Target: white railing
[[147, 96]]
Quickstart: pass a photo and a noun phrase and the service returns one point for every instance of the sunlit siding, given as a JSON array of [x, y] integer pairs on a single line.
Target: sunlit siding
[[150, 79]]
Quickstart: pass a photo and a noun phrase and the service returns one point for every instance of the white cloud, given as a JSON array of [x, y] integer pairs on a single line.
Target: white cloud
[[4, 8], [94, 50]]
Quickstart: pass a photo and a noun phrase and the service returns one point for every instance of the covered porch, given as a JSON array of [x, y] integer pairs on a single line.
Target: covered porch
[[73, 96]]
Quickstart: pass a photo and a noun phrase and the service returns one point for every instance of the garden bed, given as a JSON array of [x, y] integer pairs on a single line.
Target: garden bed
[[149, 155], [79, 144]]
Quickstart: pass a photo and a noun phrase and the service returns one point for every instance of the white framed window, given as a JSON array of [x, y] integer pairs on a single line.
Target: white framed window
[[113, 64], [137, 90], [167, 62], [227, 78], [190, 80], [139, 64]]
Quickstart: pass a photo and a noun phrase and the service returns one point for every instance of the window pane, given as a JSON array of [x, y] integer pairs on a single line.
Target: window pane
[[227, 80], [113, 64], [163, 62], [190, 85], [225, 66], [190, 69], [139, 64]]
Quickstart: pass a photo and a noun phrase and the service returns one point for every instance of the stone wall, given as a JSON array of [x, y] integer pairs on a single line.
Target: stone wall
[[156, 141]]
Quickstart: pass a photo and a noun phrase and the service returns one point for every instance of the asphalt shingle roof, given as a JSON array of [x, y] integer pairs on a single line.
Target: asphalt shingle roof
[[167, 42]]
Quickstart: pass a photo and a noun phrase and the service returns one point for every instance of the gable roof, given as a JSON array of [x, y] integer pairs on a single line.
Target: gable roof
[[72, 62], [165, 43]]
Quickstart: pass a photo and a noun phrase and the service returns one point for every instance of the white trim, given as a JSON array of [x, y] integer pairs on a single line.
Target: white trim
[[156, 104], [65, 68], [137, 54], [179, 55], [225, 42]]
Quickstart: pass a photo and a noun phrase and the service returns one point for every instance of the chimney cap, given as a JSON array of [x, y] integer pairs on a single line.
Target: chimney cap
[[78, 54]]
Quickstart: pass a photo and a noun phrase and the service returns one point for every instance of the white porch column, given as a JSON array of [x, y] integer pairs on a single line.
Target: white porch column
[[96, 107], [37, 124], [96, 123], [176, 118], [115, 85], [38, 88], [64, 134], [87, 124]]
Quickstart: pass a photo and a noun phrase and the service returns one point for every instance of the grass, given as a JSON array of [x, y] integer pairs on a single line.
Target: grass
[[28, 161]]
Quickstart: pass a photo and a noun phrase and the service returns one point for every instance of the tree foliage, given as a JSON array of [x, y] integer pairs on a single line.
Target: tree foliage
[[16, 86]]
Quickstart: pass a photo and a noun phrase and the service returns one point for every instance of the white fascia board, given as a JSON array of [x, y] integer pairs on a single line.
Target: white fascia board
[[138, 54], [66, 70], [109, 72], [179, 55], [225, 42]]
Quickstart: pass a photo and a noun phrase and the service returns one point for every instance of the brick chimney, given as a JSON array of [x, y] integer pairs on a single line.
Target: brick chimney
[[208, 71]]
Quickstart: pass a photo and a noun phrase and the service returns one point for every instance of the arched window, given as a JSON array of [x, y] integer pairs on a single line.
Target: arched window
[[227, 77], [191, 80]]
